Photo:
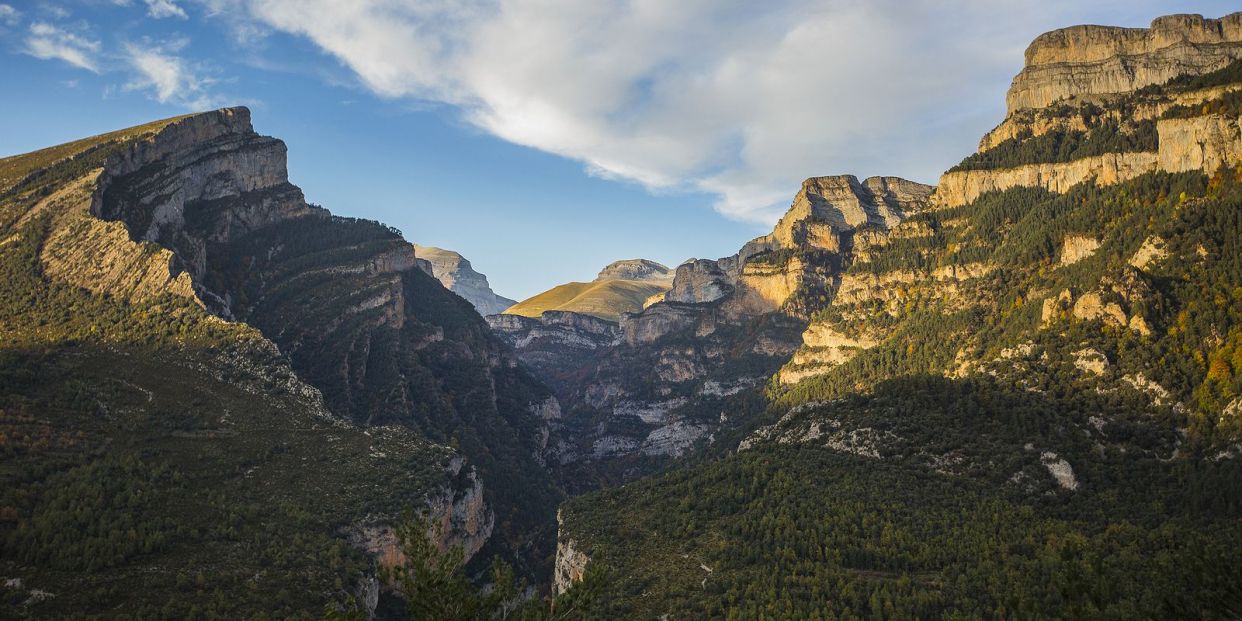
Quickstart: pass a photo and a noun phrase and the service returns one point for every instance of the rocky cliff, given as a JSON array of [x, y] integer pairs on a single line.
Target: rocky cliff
[[198, 213], [1111, 104], [558, 343], [1092, 60], [1197, 143], [723, 327], [455, 272]]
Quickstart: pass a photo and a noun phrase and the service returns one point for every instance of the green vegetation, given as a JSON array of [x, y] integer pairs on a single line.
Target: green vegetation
[[607, 299], [804, 533], [1059, 145], [897, 493], [1228, 105], [133, 451], [434, 586], [1230, 74]]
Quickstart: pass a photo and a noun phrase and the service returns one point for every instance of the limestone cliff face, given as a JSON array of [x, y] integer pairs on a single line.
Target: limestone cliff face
[[1197, 143], [828, 206], [556, 343], [458, 276], [571, 563], [698, 281], [1087, 60], [962, 187], [457, 516]]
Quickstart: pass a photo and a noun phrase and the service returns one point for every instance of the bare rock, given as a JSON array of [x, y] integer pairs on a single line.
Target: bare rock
[[1103, 59]]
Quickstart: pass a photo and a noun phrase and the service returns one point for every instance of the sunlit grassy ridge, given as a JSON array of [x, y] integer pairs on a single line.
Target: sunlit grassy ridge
[[607, 299], [14, 168]]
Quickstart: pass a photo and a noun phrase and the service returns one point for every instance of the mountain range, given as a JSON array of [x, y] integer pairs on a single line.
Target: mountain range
[[1014, 394]]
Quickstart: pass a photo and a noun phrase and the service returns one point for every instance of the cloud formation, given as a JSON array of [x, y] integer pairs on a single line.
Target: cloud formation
[[169, 78], [739, 99], [9, 16], [51, 42], [160, 9]]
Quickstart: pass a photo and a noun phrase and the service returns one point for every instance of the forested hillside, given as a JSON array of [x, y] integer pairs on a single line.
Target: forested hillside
[[1024, 405]]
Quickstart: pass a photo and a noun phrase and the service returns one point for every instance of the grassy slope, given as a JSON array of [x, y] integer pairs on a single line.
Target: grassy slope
[[608, 299], [14, 168]]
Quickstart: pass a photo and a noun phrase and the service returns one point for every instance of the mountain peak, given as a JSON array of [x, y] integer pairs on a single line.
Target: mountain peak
[[843, 203], [457, 275], [635, 269]]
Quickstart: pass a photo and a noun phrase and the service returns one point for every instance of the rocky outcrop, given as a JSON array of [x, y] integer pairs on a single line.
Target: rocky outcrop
[[962, 187], [823, 347], [658, 321], [1060, 470], [99, 256], [636, 269], [1088, 60], [1197, 143], [828, 206], [1075, 248], [557, 342], [698, 281], [457, 275], [456, 516], [1152, 251], [571, 563]]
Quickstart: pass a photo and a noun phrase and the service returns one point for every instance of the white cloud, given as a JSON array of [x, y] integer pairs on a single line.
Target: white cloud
[[739, 99], [164, 8], [167, 77], [48, 42], [9, 16]]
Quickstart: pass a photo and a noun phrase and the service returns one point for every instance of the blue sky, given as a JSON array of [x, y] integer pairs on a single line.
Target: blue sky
[[543, 139]]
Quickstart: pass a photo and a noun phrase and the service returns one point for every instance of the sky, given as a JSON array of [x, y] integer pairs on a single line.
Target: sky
[[543, 139]]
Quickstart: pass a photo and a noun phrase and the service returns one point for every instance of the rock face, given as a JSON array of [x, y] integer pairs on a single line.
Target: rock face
[[1070, 73], [456, 274], [721, 329], [571, 563], [1089, 60], [962, 187], [344, 299], [636, 269], [1075, 248], [828, 205], [558, 342], [698, 281], [1198, 143]]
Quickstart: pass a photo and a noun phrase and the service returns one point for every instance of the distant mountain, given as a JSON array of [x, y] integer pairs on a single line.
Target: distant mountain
[[621, 287], [456, 273]]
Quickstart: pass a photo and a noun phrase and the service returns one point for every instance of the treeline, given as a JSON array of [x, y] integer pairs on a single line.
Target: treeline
[[1061, 145]]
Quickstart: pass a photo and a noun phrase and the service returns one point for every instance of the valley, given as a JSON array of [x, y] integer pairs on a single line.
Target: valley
[[1014, 394]]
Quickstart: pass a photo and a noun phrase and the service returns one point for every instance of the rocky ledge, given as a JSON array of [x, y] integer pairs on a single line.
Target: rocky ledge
[[1090, 60]]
